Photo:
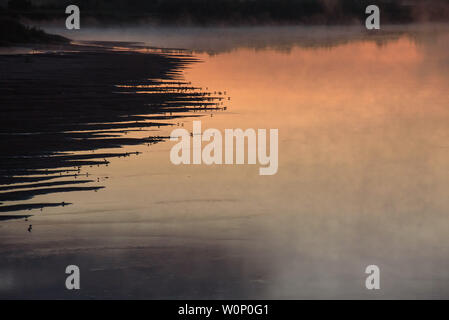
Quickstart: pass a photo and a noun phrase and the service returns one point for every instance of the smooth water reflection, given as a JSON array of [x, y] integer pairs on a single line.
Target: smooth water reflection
[[363, 179]]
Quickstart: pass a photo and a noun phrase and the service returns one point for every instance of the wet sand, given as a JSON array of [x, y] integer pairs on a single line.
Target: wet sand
[[60, 106]]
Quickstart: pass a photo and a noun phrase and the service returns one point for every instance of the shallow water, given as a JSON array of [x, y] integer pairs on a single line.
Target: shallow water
[[363, 179]]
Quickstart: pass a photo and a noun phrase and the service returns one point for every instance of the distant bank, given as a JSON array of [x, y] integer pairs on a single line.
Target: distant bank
[[232, 12], [13, 32]]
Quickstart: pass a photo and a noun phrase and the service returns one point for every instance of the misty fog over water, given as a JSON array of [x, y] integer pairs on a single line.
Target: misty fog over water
[[363, 177], [215, 40]]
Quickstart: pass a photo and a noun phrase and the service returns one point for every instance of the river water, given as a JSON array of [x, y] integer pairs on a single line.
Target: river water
[[363, 179]]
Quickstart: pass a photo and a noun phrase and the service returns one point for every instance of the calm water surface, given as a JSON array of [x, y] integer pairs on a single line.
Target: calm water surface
[[363, 179]]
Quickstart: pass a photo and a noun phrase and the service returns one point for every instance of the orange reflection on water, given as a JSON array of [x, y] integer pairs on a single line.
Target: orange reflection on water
[[308, 85]]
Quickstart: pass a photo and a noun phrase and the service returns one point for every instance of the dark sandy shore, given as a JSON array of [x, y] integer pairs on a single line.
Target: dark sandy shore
[[83, 97]]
